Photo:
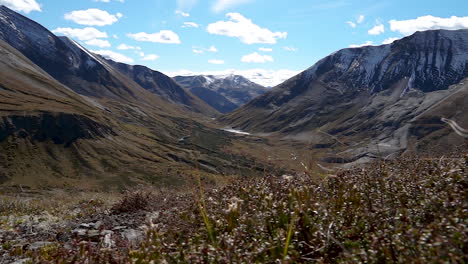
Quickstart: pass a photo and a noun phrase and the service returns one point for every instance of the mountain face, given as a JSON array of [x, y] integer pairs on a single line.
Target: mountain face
[[70, 118], [224, 93], [371, 96], [85, 73], [164, 86]]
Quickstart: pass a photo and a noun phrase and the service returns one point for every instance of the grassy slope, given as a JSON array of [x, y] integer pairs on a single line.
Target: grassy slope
[[412, 210]]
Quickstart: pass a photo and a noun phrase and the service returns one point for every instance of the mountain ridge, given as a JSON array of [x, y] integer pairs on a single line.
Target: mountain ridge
[[368, 94], [223, 92]]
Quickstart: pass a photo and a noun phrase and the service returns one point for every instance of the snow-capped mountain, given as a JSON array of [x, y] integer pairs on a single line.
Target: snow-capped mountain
[[375, 94], [223, 92]]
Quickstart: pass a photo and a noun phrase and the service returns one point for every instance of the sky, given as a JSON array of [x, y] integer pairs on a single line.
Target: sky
[[267, 41]]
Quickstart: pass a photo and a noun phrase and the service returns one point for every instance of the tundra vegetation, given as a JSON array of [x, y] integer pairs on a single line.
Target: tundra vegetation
[[410, 210]]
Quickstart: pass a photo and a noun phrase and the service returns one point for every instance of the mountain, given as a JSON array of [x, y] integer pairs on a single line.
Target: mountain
[[374, 100], [164, 86], [70, 119], [224, 93]]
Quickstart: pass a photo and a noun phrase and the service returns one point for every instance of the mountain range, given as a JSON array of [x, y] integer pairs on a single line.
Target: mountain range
[[70, 118], [225, 93], [371, 101], [82, 120]]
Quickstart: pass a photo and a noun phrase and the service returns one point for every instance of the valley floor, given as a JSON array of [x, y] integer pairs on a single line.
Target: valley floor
[[412, 210]]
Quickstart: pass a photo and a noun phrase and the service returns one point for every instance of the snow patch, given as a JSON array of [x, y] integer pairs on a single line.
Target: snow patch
[[235, 131]]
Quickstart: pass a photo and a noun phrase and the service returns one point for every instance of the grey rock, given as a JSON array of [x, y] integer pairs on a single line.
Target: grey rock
[[39, 245], [80, 232], [132, 235]]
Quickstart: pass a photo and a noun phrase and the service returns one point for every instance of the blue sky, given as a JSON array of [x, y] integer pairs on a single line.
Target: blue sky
[[265, 40]]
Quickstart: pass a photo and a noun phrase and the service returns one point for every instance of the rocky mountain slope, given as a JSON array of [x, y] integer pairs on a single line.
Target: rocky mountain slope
[[374, 100], [80, 122], [164, 86], [224, 93]]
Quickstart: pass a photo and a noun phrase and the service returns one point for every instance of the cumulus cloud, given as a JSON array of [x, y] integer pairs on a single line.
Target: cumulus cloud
[[190, 25], [163, 36], [216, 61], [92, 17], [265, 49], [256, 58], [290, 49], [408, 27], [244, 29], [150, 57], [389, 40], [127, 47], [367, 43], [265, 77], [99, 43], [25, 6], [221, 5], [184, 14], [108, 54], [377, 30], [83, 34]]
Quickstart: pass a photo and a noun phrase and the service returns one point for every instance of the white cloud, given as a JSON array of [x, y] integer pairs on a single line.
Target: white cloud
[[367, 43], [377, 30], [244, 29], [198, 50], [150, 57], [127, 47], [92, 17], [115, 36], [184, 14], [360, 19], [290, 49], [351, 24], [163, 36], [265, 49], [99, 43], [265, 77], [190, 25], [108, 54], [212, 49], [25, 6], [221, 5], [216, 61], [82, 34], [389, 40], [256, 58], [408, 27]]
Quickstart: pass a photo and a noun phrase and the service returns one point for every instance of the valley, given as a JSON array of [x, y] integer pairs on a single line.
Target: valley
[[360, 158]]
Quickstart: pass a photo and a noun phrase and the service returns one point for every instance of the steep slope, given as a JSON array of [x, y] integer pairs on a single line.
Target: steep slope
[[164, 86], [368, 97], [224, 93], [70, 119]]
